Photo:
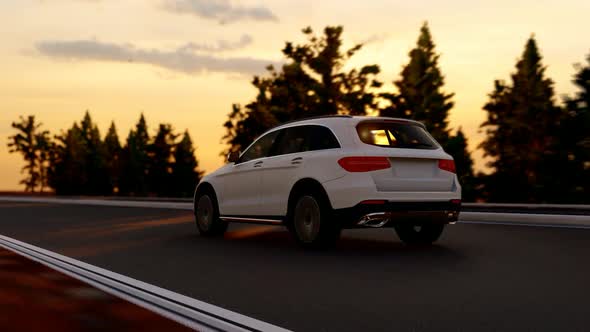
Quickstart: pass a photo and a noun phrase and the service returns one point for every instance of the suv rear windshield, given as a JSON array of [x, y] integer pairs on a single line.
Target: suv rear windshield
[[395, 134]]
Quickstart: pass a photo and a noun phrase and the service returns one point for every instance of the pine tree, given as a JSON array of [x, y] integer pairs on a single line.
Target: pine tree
[[420, 90], [160, 153], [522, 133], [575, 140], [135, 160], [185, 168], [95, 160], [312, 82], [457, 147], [44, 148], [113, 157], [67, 173], [34, 145]]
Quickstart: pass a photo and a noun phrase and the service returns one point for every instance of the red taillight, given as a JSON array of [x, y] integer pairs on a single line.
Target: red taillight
[[447, 165], [364, 164]]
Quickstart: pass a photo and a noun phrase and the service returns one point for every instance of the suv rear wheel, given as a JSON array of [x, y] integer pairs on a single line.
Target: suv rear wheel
[[419, 234], [207, 215], [310, 222]]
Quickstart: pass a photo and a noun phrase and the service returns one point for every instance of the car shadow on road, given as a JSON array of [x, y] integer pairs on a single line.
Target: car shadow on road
[[264, 241]]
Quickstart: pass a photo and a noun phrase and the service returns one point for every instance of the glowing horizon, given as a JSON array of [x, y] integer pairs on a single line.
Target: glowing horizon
[[186, 67]]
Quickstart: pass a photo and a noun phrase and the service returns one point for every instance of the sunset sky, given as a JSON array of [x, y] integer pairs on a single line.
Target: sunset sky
[[185, 62]]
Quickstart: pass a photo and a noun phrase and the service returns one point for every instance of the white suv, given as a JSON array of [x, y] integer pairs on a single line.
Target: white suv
[[319, 175]]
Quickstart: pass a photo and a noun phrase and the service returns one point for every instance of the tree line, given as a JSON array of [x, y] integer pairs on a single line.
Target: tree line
[[539, 147], [79, 161]]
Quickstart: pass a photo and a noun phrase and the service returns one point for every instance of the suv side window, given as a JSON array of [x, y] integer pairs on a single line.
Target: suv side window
[[261, 148], [305, 138], [322, 138], [292, 140]]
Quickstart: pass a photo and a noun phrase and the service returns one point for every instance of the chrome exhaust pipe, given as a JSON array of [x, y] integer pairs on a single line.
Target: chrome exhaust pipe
[[375, 220]]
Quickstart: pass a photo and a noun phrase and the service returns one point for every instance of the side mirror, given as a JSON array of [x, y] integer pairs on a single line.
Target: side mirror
[[233, 156]]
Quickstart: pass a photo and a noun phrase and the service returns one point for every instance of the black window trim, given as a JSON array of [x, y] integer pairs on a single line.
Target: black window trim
[[279, 136]]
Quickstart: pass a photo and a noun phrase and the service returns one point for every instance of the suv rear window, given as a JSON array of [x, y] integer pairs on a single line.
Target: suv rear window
[[393, 134]]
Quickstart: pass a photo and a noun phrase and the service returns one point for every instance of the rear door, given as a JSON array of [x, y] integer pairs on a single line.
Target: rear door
[[299, 152], [413, 154]]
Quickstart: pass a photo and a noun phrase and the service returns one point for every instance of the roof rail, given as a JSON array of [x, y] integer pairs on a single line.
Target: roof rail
[[317, 117]]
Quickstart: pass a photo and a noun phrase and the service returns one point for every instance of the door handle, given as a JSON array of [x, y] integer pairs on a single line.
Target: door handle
[[296, 161], [258, 164]]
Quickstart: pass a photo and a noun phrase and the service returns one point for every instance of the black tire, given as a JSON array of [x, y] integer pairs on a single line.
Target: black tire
[[207, 215], [310, 221], [419, 234]]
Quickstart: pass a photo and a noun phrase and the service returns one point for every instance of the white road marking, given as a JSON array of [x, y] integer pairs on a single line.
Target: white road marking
[[190, 312]]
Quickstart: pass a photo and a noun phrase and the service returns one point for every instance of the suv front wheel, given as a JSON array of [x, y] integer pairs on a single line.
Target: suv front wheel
[[207, 215], [311, 223]]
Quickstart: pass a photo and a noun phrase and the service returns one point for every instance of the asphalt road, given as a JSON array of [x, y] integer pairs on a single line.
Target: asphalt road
[[477, 278]]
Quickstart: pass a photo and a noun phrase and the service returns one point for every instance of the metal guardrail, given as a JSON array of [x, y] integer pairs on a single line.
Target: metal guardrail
[[576, 209], [576, 216], [562, 209], [100, 202]]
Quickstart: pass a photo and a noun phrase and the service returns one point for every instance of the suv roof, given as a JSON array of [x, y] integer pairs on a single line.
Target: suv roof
[[325, 119], [317, 117]]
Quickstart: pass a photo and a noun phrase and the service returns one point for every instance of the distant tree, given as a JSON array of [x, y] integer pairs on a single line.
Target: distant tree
[[457, 147], [160, 153], [113, 149], [312, 82], [95, 163], [44, 148], [185, 171], [78, 162], [33, 144], [420, 93], [522, 133], [575, 140], [67, 174], [135, 161]]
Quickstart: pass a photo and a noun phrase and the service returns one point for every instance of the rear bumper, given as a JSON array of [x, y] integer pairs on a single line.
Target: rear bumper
[[349, 190], [390, 214]]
